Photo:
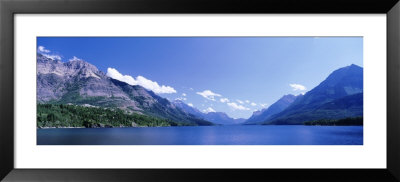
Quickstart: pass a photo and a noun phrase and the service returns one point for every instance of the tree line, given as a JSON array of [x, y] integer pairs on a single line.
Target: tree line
[[351, 121], [64, 115]]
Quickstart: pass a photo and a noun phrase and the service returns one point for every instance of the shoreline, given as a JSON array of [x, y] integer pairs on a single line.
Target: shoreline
[[57, 127], [65, 127]]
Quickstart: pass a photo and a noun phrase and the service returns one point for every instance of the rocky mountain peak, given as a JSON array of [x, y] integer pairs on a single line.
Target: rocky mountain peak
[[74, 67], [345, 75]]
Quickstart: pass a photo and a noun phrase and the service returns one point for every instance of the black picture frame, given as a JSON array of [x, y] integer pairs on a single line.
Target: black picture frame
[[8, 8]]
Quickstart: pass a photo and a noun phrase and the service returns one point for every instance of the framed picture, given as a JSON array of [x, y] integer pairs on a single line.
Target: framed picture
[[106, 91]]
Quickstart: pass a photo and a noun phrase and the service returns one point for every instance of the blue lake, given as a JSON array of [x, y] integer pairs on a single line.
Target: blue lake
[[204, 135]]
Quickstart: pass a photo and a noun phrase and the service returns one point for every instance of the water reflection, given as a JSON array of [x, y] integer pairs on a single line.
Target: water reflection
[[204, 135]]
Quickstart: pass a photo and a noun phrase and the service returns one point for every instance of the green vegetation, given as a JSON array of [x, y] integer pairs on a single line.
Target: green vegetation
[[357, 121], [61, 115]]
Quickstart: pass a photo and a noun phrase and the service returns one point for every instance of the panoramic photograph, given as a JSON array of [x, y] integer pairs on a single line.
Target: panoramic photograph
[[199, 91]]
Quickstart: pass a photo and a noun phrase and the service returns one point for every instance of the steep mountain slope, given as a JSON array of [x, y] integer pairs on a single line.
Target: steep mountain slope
[[347, 81], [278, 106], [78, 82], [188, 109], [215, 117], [152, 104]]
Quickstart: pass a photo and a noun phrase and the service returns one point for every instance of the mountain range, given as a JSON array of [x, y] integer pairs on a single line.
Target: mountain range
[[215, 117], [278, 106], [81, 83], [78, 82], [340, 95]]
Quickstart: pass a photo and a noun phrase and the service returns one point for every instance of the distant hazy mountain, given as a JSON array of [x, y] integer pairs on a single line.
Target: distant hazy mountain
[[215, 117], [78, 82], [338, 96], [222, 118], [278, 106]]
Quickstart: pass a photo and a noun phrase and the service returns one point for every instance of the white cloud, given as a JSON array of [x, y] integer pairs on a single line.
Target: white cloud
[[241, 102], [263, 105], [181, 98], [56, 57], [223, 100], [235, 106], [184, 94], [208, 94], [75, 59], [140, 80], [297, 87], [209, 109], [190, 104], [302, 93], [42, 49], [247, 101], [253, 104], [191, 88]]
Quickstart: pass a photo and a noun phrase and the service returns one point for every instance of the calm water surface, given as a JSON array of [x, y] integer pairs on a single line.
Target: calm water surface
[[204, 135]]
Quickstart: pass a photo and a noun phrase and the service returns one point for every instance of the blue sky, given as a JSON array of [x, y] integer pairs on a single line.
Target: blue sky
[[236, 75]]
